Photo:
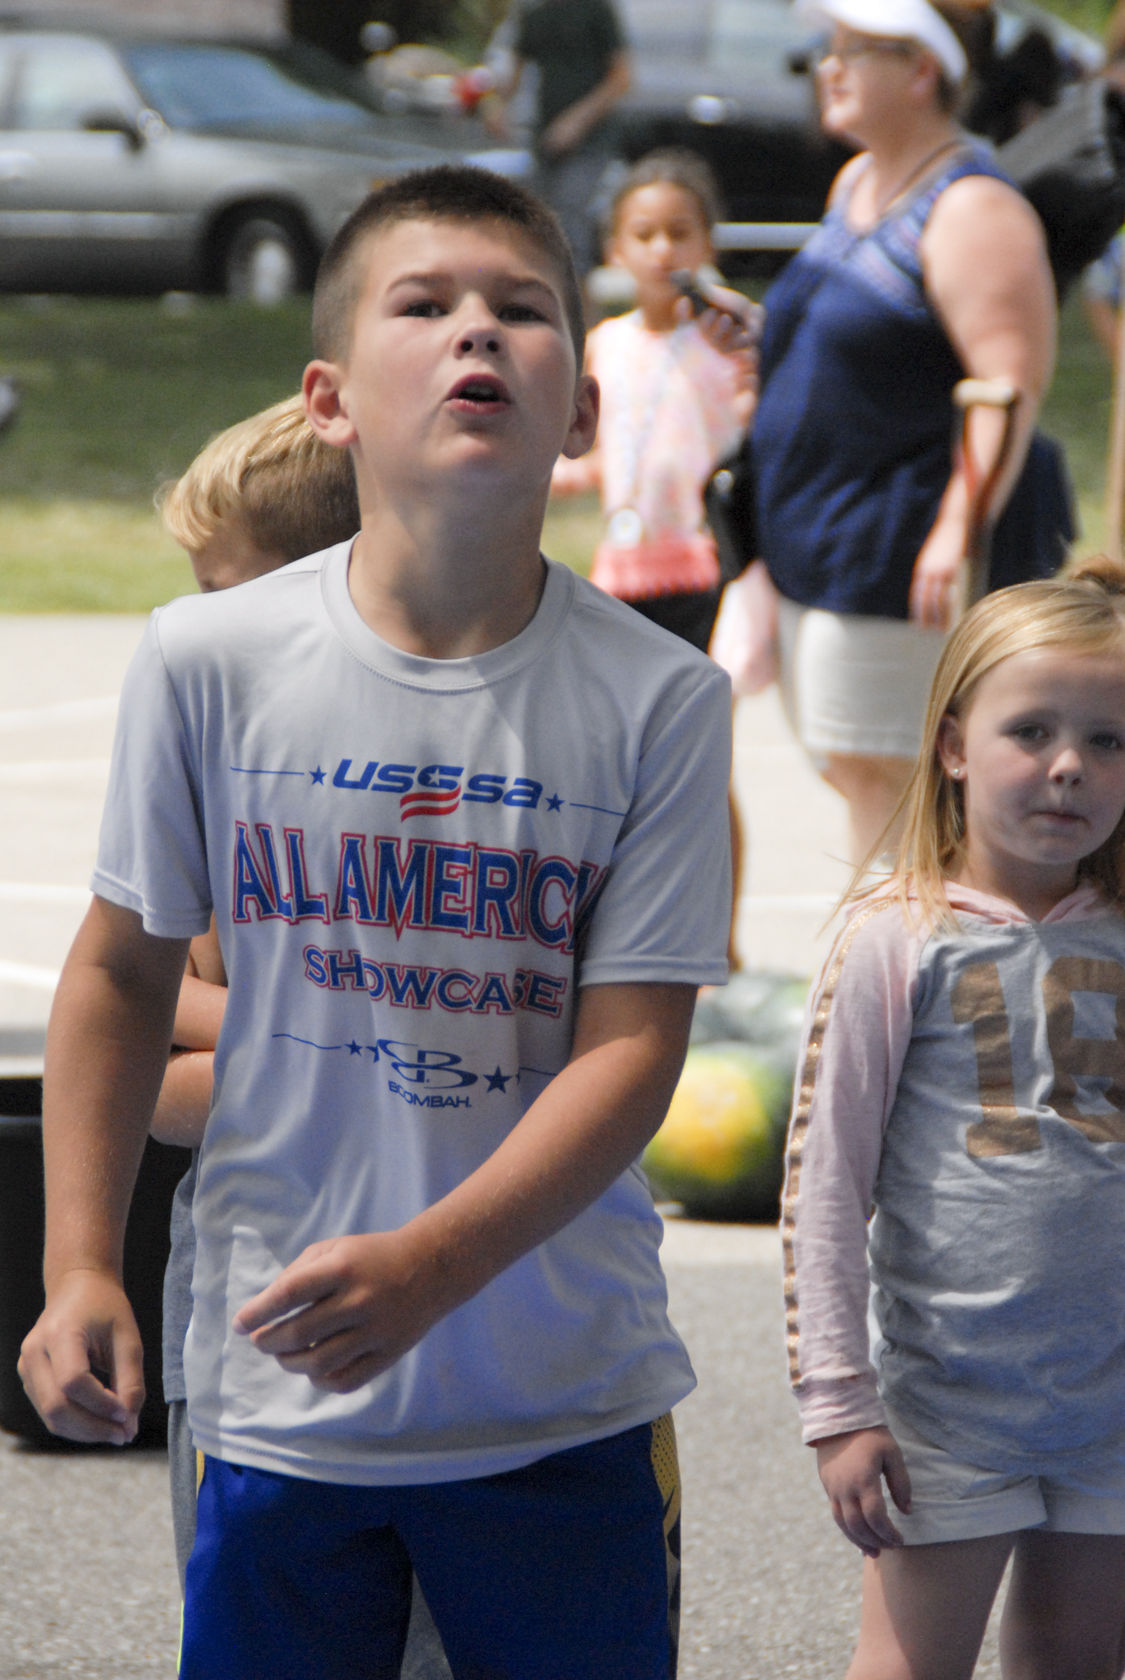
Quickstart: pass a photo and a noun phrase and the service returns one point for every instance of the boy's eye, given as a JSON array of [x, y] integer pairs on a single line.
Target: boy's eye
[[427, 308], [1107, 740], [1029, 732], [520, 312]]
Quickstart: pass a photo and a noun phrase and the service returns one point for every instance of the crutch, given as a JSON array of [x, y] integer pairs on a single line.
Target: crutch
[[981, 486]]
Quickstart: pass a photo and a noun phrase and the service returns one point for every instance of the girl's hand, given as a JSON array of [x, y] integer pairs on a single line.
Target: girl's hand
[[852, 1469], [346, 1309]]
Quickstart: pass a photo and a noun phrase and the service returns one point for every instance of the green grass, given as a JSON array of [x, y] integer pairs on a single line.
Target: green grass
[[119, 395]]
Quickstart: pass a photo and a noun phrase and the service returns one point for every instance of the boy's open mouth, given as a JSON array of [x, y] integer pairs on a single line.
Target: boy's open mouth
[[480, 388]]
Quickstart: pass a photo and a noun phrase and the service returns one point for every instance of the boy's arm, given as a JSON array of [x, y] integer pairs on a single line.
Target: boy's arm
[[359, 1303], [107, 1047]]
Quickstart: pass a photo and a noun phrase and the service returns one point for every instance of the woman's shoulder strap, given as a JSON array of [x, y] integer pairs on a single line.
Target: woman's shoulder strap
[[901, 235]]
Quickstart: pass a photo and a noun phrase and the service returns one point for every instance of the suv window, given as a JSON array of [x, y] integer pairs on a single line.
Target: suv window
[[202, 87], [63, 82]]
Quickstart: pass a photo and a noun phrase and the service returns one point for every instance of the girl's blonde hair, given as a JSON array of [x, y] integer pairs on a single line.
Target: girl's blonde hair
[[1081, 611], [292, 493]]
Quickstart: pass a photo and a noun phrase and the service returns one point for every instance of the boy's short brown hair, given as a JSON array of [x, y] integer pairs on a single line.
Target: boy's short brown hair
[[292, 493], [448, 193]]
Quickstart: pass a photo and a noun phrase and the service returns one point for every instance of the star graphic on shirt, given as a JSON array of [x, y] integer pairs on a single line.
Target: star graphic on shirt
[[555, 803], [355, 1049], [498, 1081], [317, 776]]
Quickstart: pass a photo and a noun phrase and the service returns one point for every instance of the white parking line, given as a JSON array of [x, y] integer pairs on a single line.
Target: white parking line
[[53, 770], [59, 711], [30, 975], [38, 892]]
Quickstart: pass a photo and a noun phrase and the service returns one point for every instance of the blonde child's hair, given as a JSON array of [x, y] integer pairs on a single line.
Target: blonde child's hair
[[291, 492], [1080, 611]]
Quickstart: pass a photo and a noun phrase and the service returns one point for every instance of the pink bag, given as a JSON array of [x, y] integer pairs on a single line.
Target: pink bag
[[744, 640]]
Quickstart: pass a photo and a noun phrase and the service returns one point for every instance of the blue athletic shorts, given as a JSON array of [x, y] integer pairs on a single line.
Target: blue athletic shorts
[[565, 1570]]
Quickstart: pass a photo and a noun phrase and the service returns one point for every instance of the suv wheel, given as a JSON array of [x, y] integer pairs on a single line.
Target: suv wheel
[[262, 259]]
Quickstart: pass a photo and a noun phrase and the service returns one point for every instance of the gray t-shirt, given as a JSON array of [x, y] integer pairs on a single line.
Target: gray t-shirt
[[413, 864]]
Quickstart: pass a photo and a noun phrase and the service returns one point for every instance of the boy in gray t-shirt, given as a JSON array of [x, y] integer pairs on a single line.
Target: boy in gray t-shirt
[[461, 821]]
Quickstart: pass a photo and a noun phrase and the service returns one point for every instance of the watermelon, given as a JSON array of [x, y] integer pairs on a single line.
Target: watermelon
[[719, 1152]]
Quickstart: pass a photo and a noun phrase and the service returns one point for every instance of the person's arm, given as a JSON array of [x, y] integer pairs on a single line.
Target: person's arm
[[180, 1115], [1102, 319], [107, 1047], [852, 1470], [857, 1033], [358, 1303], [567, 131], [184, 1102], [987, 274]]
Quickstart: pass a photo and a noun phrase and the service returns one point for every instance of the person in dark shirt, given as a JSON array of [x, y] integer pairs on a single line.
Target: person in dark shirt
[[579, 50]]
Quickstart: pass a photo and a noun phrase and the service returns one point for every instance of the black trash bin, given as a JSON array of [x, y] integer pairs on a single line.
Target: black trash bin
[[21, 1253]]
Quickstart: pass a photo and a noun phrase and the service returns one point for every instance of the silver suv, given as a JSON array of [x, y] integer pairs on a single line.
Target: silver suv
[[138, 163]]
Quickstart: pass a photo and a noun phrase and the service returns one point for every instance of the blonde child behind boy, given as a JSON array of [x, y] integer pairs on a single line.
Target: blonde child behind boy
[[263, 492], [965, 1076]]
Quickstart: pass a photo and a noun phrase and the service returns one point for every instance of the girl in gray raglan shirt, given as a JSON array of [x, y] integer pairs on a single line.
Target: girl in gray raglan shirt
[[964, 1077]]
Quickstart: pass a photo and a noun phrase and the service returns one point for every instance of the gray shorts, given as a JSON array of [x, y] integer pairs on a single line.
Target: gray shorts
[[955, 1500]]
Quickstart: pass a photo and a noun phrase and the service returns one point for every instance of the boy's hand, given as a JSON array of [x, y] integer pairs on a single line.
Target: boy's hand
[[348, 1308], [852, 1468], [86, 1326], [345, 1310]]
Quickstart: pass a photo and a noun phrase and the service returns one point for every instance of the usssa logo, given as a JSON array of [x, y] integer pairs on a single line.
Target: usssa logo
[[437, 790]]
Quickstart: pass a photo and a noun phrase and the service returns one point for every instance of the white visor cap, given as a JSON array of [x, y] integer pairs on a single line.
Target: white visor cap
[[895, 20]]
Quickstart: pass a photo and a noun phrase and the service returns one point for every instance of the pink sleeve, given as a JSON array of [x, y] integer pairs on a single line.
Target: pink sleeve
[[857, 1031]]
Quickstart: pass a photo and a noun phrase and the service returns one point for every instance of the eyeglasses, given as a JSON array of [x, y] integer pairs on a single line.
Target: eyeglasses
[[845, 51]]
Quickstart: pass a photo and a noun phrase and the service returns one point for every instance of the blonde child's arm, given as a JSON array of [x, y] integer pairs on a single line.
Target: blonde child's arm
[[185, 1095], [853, 1468], [180, 1116], [107, 1048], [203, 994], [199, 1013], [348, 1308]]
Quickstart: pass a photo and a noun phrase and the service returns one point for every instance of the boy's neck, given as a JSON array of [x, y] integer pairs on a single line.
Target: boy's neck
[[441, 590]]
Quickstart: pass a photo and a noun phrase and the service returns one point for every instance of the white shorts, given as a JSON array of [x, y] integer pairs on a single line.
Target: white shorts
[[854, 685], [953, 1500]]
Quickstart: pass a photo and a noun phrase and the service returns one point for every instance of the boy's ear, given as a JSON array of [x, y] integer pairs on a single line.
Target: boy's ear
[[320, 387], [584, 422], [951, 746]]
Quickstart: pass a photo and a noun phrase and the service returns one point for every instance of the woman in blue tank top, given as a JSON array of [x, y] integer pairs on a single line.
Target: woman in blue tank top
[[928, 266]]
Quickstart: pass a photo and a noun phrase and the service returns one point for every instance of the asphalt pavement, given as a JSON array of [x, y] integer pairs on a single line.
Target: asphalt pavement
[[87, 1579]]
